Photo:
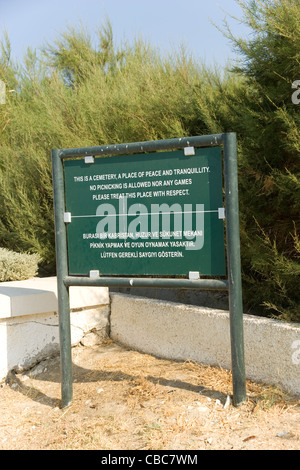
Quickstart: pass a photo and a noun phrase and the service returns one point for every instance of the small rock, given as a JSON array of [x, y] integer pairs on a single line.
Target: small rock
[[39, 369], [19, 369], [90, 339], [285, 435], [228, 402], [23, 378]]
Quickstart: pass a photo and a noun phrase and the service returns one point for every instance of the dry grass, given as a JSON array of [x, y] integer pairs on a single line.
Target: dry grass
[[127, 400]]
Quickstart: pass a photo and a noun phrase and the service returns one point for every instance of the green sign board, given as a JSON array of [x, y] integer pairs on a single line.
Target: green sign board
[[146, 214]]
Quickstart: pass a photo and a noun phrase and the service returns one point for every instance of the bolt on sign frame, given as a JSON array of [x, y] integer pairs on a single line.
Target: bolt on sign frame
[[60, 161]]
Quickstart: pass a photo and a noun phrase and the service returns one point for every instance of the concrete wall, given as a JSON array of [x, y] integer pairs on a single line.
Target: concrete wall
[[29, 320], [181, 332]]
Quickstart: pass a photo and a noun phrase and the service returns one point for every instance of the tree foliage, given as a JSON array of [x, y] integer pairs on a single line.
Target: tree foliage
[[268, 126], [75, 94]]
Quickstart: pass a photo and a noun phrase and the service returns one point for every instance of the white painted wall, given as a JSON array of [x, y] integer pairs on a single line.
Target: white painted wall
[[182, 332], [29, 319]]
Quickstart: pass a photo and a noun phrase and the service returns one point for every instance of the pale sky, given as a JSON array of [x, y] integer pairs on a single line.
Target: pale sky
[[163, 23]]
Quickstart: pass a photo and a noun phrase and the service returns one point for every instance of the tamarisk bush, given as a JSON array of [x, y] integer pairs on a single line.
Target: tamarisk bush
[[74, 94]]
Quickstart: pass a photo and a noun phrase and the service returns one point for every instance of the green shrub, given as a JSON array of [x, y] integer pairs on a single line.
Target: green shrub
[[268, 127], [255, 102], [17, 266], [79, 95]]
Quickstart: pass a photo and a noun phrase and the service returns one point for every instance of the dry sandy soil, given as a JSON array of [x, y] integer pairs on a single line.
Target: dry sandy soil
[[125, 400]]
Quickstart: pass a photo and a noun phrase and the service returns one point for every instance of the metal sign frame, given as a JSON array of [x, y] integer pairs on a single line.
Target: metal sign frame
[[233, 283]]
